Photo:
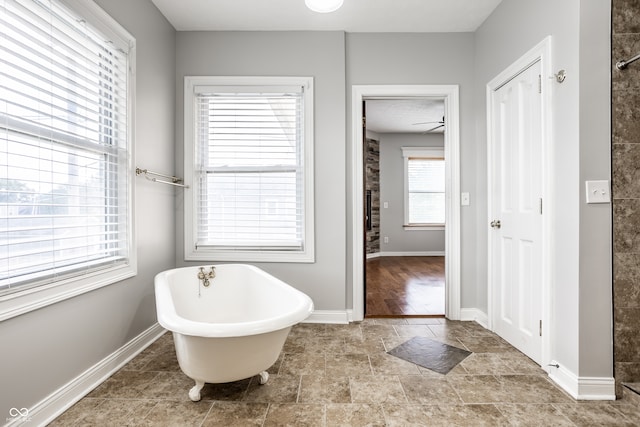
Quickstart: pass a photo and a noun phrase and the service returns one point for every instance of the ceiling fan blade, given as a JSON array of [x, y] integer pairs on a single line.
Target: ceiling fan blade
[[432, 129], [424, 123], [440, 122]]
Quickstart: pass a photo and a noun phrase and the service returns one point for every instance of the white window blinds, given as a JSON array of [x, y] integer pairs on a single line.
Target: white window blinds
[[63, 145], [425, 186], [250, 153]]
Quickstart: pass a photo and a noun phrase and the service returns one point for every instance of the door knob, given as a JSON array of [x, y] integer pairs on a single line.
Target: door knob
[[495, 223]]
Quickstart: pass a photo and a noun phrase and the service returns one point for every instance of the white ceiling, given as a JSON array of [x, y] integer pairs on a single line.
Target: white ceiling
[[354, 16], [403, 115]]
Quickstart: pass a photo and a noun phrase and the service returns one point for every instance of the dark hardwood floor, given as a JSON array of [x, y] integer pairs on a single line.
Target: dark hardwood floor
[[405, 286]]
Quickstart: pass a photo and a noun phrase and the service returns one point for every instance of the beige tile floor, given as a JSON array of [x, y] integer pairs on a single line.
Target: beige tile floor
[[340, 375]]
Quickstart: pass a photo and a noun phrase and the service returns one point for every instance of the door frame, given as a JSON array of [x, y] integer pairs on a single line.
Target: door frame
[[539, 53], [450, 94]]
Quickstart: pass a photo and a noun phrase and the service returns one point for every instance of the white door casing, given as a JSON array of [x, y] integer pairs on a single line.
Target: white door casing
[[450, 93], [519, 198]]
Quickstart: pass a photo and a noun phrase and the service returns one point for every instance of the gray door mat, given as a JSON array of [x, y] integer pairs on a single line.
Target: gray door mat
[[430, 354]]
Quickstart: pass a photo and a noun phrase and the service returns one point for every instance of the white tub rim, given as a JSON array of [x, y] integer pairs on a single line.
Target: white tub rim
[[169, 319]]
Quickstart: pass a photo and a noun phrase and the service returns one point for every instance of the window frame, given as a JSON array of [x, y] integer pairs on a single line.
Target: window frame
[[36, 297], [207, 253], [419, 152]]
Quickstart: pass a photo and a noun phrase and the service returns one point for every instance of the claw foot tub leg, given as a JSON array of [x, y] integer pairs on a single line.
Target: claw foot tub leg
[[264, 377], [194, 393]]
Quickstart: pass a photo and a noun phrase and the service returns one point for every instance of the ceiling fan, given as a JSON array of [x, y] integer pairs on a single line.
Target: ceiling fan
[[440, 124]]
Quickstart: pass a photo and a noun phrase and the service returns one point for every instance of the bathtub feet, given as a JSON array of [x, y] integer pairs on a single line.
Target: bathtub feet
[[194, 393], [264, 377]]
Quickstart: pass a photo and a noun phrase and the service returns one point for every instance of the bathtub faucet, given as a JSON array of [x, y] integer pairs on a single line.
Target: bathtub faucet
[[206, 276]]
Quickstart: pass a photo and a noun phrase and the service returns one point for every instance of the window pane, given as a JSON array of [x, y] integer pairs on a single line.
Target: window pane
[[426, 182], [426, 208], [243, 209], [426, 175], [251, 193]]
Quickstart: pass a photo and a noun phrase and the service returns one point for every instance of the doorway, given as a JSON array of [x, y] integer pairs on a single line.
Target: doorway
[[450, 95], [404, 183]]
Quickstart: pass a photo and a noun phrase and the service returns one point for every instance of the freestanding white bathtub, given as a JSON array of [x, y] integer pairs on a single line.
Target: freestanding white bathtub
[[232, 329]]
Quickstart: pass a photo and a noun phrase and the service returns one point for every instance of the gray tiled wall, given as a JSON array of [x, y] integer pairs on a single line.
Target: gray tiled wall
[[626, 190]]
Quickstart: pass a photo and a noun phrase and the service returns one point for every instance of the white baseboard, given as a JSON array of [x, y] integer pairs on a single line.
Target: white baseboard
[[596, 388], [584, 388], [580, 388], [328, 316], [60, 400], [474, 314], [422, 253]]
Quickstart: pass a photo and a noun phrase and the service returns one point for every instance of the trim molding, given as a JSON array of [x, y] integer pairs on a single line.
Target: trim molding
[[60, 400], [475, 315], [584, 388], [328, 316], [193, 252], [423, 253]]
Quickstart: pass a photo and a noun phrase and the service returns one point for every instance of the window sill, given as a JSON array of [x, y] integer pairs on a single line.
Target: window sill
[[204, 254], [424, 227], [22, 302]]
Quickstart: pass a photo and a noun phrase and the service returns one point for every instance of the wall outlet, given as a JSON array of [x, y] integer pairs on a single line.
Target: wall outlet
[[386, 239]]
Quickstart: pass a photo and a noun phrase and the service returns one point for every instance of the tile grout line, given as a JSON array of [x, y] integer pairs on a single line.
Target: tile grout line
[[454, 389], [266, 413], [207, 414], [300, 387]]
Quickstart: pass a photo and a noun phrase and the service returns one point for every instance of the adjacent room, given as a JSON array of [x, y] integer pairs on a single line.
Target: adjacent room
[[404, 207], [353, 212]]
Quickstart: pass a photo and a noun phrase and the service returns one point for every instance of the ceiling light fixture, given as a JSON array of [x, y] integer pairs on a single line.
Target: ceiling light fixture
[[323, 6]]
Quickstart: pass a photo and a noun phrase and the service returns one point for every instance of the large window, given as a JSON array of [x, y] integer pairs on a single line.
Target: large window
[[249, 155], [424, 187], [65, 78]]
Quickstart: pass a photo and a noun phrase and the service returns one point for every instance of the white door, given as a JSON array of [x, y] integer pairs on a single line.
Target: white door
[[516, 211]]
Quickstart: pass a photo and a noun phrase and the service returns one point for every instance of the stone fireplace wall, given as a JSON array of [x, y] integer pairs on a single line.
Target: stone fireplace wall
[[372, 183]]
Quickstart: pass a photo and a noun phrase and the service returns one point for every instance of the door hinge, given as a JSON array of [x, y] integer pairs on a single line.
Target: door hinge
[[540, 327], [539, 83], [540, 205], [364, 121]]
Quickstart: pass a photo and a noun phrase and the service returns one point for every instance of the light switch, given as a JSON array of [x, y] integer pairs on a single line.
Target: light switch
[[385, 205], [464, 199], [598, 192]]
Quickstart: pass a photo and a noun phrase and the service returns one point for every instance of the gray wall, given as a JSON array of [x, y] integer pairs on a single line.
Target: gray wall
[[44, 349], [595, 296], [425, 58], [581, 276], [317, 54], [392, 191]]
